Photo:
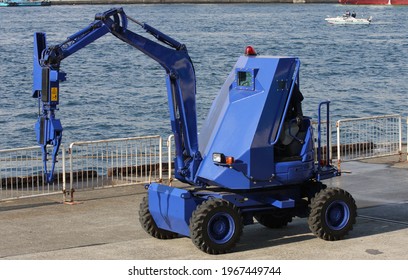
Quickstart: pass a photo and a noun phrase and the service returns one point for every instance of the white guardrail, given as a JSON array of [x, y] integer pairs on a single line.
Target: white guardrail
[[369, 137], [115, 162], [138, 160], [87, 165], [21, 173]]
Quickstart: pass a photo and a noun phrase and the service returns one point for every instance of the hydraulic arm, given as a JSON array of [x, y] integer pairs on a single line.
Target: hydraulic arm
[[170, 54]]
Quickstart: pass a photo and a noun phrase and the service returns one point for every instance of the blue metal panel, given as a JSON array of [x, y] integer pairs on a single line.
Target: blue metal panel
[[171, 208], [262, 152], [288, 203], [244, 121], [39, 45], [219, 106], [294, 172], [263, 199]]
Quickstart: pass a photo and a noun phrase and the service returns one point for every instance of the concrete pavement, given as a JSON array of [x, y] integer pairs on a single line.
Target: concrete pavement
[[105, 225]]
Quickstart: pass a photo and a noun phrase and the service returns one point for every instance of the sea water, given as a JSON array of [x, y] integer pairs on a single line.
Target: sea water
[[113, 90]]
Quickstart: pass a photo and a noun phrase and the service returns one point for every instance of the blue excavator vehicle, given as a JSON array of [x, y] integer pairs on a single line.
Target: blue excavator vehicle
[[255, 158]]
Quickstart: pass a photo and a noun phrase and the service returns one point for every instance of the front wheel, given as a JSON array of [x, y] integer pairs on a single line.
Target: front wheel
[[333, 213], [216, 226]]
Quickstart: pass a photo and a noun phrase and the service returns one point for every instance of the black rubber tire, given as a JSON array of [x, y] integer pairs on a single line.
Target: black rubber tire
[[216, 226], [333, 213], [275, 219], [149, 225]]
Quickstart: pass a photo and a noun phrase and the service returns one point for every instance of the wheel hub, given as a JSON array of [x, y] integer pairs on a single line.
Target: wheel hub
[[337, 215], [221, 228]]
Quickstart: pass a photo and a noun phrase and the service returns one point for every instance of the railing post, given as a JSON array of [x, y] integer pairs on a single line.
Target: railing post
[[338, 146], [63, 171], [71, 178], [400, 137], [160, 159]]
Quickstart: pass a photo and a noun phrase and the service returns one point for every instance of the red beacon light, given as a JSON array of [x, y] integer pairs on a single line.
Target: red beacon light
[[249, 50]]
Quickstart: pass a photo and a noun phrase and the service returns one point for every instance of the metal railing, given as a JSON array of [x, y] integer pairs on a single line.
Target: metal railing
[[21, 173], [115, 162], [138, 160], [368, 137], [354, 139], [89, 164]]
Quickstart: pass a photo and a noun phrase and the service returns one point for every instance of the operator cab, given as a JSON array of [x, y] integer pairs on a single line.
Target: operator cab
[[294, 129], [249, 121]]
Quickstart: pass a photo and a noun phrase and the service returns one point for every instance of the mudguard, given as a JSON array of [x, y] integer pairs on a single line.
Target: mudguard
[[171, 208]]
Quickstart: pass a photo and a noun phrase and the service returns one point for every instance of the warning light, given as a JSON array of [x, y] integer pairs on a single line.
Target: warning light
[[229, 160], [249, 50]]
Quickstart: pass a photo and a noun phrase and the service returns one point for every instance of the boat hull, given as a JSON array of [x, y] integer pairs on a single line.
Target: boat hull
[[348, 20]]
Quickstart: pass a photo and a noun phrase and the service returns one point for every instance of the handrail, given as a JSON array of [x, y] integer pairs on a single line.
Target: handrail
[[319, 135]]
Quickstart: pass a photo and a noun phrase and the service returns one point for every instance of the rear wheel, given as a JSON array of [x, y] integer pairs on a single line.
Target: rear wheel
[[216, 226], [333, 213], [149, 225]]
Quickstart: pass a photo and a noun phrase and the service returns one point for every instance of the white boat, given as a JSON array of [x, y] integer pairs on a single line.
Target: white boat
[[348, 19]]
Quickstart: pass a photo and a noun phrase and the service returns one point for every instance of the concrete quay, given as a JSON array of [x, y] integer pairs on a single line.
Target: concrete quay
[[104, 225]]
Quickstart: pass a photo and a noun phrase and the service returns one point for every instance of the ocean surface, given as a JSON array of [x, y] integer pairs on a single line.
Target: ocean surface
[[112, 90]]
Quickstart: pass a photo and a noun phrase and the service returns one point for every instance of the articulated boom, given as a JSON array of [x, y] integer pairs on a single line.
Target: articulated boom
[[180, 80]]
